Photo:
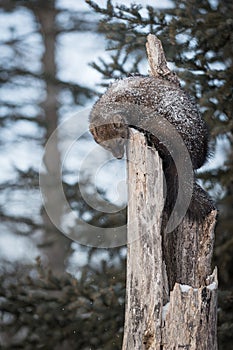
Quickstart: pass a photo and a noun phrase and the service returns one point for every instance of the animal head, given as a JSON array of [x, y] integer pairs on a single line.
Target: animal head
[[111, 135]]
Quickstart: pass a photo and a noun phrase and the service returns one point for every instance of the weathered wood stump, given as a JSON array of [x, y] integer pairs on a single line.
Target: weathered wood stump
[[171, 294]]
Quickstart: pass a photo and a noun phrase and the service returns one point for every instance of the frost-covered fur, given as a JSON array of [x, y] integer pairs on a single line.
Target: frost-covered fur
[[141, 102]]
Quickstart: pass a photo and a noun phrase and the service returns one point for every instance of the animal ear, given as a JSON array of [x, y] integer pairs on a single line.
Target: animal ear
[[117, 121]]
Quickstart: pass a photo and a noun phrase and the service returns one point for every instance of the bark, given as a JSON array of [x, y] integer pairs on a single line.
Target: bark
[[144, 259], [181, 314]]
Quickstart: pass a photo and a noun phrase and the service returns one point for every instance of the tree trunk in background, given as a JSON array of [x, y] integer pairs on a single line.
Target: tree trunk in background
[[54, 244]]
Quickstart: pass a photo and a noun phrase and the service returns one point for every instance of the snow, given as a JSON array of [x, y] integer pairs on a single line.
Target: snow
[[83, 6], [120, 85], [15, 155], [83, 158], [74, 53], [217, 160], [185, 288], [165, 310], [20, 22], [212, 286], [17, 249]]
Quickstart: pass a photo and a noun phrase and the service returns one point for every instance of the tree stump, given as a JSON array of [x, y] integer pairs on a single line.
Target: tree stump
[[170, 303]]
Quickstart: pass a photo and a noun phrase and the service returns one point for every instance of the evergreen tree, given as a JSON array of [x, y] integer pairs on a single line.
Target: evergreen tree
[[198, 39], [197, 36], [45, 307], [40, 309]]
